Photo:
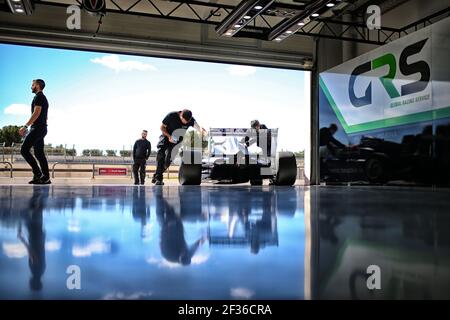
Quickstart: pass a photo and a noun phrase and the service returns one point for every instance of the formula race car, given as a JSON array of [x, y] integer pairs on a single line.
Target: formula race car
[[231, 155], [379, 161]]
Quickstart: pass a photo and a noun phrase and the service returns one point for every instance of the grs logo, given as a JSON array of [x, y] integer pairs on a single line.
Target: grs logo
[[407, 69]]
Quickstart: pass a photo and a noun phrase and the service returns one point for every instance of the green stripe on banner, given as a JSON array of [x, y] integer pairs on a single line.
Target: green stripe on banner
[[384, 123]]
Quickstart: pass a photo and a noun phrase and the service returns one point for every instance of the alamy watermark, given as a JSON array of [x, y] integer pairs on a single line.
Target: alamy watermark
[[373, 281], [373, 21], [73, 281]]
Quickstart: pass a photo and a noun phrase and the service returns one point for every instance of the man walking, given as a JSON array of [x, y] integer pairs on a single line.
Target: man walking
[[35, 137], [169, 139], [141, 151]]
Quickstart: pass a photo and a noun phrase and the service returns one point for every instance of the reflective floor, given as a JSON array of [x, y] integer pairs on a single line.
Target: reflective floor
[[223, 242]]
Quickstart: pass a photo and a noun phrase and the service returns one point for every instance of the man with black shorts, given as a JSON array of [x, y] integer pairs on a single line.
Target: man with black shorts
[[171, 136], [35, 137]]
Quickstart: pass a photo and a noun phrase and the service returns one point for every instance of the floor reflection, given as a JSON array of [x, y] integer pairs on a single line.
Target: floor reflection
[[222, 242], [152, 243], [404, 232]]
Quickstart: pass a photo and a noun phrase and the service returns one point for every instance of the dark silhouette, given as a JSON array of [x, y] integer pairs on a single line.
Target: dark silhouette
[[35, 244], [174, 247]]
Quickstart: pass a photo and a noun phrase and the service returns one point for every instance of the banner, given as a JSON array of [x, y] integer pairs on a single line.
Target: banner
[[406, 81]]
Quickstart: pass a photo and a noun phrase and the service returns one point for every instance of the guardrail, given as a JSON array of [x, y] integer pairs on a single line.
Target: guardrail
[[10, 167], [93, 170], [93, 167]]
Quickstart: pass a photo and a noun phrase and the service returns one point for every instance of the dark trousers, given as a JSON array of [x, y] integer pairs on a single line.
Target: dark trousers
[[139, 170], [35, 140], [163, 158]]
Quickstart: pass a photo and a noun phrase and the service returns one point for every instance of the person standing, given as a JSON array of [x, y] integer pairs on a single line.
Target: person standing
[[141, 151], [168, 140], [35, 137]]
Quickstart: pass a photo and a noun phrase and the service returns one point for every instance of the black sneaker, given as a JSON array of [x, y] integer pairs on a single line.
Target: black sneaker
[[36, 180], [159, 183], [154, 180], [44, 180]]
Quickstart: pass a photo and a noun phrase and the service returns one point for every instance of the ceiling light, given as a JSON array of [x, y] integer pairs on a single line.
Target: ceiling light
[[242, 15], [330, 5], [299, 20], [21, 6]]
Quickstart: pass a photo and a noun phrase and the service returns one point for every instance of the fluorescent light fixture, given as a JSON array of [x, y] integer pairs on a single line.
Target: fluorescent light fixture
[[298, 21], [21, 6], [330, 5], [242, 15]]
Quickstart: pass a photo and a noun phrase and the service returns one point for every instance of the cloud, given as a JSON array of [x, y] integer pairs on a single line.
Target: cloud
[[241, 71], [14, 250], [96, 246], [163, 263], [18, 109], [113, 61], [241, 293], [53, 245]]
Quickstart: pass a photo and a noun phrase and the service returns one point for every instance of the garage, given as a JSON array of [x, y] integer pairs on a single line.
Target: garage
[[195, 150]]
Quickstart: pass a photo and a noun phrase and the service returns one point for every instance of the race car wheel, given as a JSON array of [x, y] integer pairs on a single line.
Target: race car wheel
[[190, 173], [256, 182], [287, 169], [375, 170]]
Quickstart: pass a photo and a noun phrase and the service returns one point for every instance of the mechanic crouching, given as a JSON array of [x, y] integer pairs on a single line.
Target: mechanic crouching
[[170, 128]]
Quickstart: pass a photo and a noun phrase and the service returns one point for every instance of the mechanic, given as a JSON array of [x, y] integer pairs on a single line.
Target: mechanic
[[328, 143], [141, 151], [167, 141], [255, 124]]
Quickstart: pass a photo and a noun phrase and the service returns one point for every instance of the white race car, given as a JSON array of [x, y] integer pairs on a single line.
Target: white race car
[[237, 155]]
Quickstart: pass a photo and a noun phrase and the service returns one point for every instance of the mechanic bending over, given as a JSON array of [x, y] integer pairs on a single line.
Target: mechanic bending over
[[172, 122], [255, 124], [329, 145]]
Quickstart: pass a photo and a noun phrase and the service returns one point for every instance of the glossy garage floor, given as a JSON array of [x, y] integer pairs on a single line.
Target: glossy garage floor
[[223, 242]]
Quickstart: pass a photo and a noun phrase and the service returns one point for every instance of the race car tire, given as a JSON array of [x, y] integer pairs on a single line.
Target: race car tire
[[256, 182], [287, 169], [376, 171], [190, 173]]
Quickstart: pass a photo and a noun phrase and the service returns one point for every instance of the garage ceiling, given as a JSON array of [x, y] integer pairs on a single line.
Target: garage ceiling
[[179, 29]]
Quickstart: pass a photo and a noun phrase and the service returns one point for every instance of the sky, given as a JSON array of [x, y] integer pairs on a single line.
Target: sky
[[104, 101]]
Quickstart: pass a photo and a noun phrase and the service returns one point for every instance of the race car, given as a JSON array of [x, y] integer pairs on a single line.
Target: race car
[[379, 161], [236, 155]]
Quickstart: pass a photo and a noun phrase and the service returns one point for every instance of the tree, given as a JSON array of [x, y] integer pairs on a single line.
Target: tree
[[111, 153], [71, 152], [96, 152], [300, 154], [125, 153], [10, 135], [86, 152]]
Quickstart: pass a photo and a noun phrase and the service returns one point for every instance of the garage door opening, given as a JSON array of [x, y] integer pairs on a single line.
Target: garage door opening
[[100, 103]]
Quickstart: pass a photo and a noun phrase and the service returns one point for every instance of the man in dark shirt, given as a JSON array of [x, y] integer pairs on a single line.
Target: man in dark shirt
[[173, 128], [35, 137], [255, 124], [328, 141], [141, 152]]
